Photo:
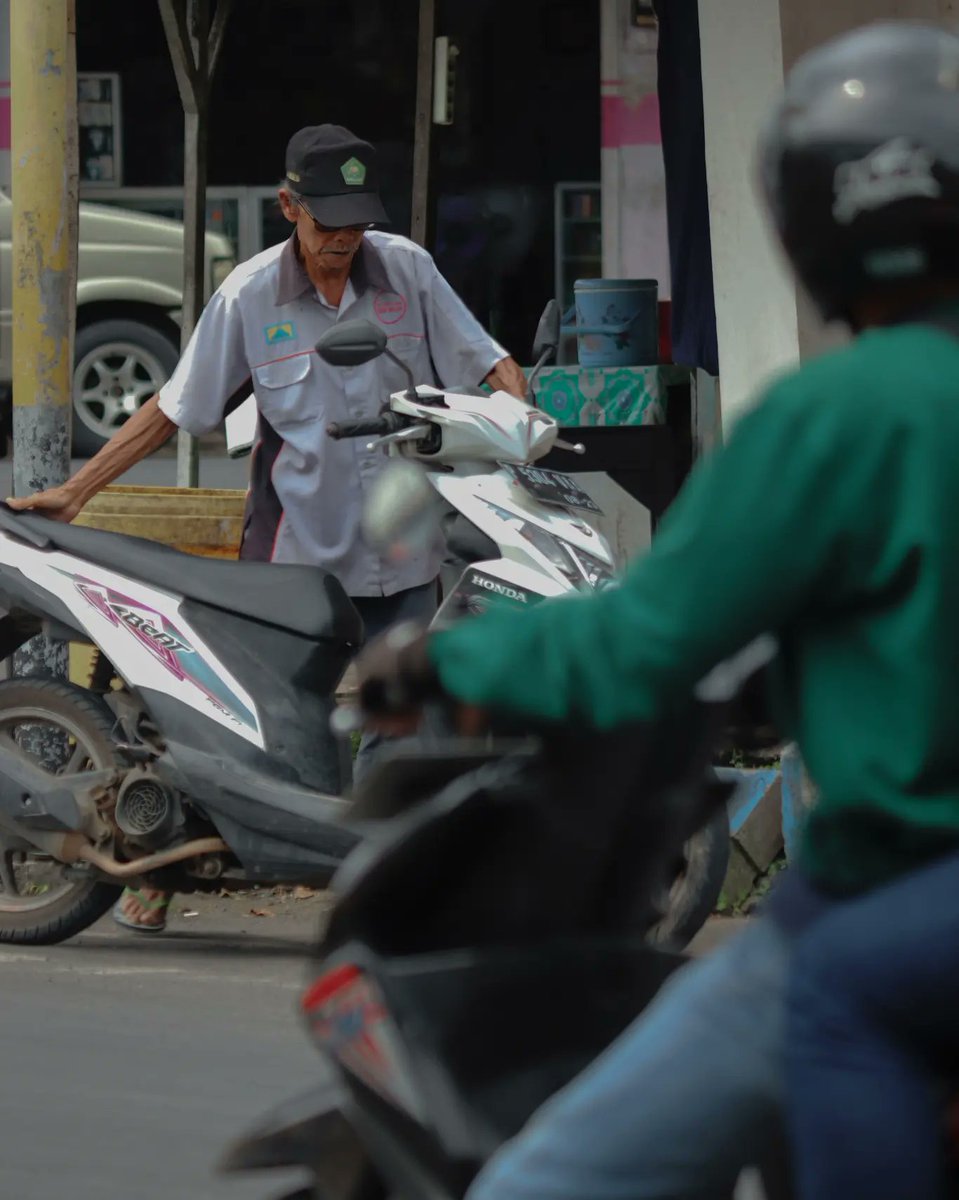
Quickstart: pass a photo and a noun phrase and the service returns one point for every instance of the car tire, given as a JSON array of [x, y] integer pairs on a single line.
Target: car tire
[[118, 365]]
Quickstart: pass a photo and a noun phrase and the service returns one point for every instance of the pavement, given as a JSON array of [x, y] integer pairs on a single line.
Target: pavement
[[128, 1063]]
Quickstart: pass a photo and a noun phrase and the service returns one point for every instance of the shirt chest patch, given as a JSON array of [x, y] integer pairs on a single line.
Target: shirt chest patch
[[390, 307], [284, 332]]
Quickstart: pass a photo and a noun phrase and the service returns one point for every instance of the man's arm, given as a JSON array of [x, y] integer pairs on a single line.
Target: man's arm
[[507, 376], [212, 367], [461, 349], [145, 431], [756, 536]]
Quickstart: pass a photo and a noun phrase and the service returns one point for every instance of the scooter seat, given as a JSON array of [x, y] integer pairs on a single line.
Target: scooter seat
[[304, 600]]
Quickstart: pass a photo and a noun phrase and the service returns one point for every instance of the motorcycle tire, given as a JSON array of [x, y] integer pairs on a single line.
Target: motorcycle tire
[[697, 884], [87, 720]]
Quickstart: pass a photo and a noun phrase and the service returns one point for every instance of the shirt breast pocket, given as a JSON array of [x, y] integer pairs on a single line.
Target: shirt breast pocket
[[286, 391]]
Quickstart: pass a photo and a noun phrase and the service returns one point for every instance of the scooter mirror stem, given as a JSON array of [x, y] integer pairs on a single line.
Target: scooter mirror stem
[[411, 390], [537, 367]]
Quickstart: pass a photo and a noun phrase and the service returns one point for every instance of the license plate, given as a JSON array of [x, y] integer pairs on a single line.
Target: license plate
[[553, 487]]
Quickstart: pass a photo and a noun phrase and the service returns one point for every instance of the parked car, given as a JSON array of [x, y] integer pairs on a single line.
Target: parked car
[[129, 293]]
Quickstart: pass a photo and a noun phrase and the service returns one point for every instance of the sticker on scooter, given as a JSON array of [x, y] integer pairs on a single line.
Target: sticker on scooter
[[168, 645], [349, 1018], [148, 632]]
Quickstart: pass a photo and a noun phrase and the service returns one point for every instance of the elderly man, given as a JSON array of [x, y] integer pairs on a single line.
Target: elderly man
[[259, 328]]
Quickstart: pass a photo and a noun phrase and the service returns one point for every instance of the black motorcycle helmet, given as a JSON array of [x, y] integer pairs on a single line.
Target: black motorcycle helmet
[[860, 164]]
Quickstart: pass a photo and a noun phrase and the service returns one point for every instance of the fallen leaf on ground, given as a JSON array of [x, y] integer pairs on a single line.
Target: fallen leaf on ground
[[262, 912], [301, 892]]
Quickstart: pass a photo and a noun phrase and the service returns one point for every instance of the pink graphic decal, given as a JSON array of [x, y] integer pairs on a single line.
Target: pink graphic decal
[[157, 634], [390, 307]]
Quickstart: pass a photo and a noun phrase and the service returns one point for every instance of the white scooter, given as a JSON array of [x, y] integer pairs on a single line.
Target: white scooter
[[515, 533]]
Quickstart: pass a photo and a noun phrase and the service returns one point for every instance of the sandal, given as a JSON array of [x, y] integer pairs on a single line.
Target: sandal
[[160, 903]]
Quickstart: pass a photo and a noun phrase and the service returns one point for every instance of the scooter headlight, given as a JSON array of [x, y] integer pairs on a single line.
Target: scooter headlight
[[598, 574], [550, 547]]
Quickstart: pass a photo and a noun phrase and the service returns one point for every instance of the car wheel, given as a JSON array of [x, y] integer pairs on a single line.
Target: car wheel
[[119, 366]]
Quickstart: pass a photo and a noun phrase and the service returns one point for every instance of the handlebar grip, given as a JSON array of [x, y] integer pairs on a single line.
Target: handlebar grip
[[346, 429]]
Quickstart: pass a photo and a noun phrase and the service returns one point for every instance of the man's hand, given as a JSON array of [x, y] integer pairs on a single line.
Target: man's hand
[[507, 376], [396, 677], [59, 503]]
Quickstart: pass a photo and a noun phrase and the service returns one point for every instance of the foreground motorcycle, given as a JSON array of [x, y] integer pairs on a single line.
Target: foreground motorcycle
[[463, 463], [486, 943]]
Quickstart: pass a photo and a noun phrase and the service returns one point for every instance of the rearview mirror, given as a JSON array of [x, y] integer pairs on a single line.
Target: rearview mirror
[[402, 511], [351, 343], [546, 341]]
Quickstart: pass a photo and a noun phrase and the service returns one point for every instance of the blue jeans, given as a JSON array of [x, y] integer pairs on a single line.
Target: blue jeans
[[872, 1018], [673, 1110], [379, 613]]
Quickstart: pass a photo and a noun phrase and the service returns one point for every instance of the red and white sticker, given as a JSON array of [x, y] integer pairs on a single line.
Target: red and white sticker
[[349, 1018]]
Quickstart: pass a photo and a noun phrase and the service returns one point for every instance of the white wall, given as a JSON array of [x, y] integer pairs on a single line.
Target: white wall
[[761, 323], [635, 244], [756, 318]]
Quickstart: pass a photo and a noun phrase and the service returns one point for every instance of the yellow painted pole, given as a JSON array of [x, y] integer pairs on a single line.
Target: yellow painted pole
[[44, 166]]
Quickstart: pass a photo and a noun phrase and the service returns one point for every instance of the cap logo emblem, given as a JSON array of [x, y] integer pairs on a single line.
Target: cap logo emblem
[[353, 172], [293, 177], [898, 170]]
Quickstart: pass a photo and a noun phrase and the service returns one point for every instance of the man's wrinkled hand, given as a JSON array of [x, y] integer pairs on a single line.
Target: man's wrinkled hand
[[507, 376], [59, 504]]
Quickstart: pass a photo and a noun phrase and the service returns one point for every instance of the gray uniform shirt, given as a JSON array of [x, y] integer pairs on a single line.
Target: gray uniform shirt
[[260, 326]]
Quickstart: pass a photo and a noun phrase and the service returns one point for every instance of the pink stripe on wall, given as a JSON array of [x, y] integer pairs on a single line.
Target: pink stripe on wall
[[5, 140], [630, 124]]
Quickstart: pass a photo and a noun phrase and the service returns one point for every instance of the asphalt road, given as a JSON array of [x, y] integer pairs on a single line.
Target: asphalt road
[[128, 1063]]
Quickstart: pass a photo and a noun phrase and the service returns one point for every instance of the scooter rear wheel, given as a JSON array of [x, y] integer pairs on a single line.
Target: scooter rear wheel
[[62, 729]]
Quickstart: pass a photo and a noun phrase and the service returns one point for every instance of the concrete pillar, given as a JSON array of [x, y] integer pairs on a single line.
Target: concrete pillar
[[756, 313], [635, 244], [5, 131], [762, 324], [45, 197]]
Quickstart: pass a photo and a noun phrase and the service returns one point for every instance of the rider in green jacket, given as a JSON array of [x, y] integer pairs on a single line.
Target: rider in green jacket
[[831, 520]]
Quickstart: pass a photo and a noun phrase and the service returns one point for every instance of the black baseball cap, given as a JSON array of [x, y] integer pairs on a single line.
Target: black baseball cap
[[336, 174]]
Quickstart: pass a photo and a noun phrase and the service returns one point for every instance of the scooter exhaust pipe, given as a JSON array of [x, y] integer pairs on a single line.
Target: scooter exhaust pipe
[[149, 862], [74, 847]]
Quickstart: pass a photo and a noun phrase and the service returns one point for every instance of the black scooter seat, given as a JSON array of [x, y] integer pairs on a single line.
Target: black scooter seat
[[304, 600]]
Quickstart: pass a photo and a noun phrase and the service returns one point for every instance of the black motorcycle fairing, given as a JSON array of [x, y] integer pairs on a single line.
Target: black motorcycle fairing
[[527, 847], [272, 826], [291, 679], [488, 1036], [304, 1131], [466, 542]]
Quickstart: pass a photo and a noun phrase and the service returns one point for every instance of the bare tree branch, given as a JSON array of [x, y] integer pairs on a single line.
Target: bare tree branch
[[173, 15], [220, 18]]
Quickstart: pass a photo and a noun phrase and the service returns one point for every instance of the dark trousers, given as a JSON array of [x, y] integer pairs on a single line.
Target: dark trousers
[[379, 613], [872, 1030]]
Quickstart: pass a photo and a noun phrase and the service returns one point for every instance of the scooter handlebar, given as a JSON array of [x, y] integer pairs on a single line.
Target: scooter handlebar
[[375, 426]]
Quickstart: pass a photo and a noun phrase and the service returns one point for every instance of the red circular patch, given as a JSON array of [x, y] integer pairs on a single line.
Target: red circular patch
[[390, 307]]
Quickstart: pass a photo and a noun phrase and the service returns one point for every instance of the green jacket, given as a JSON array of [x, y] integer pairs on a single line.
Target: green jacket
[[830, 519]]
